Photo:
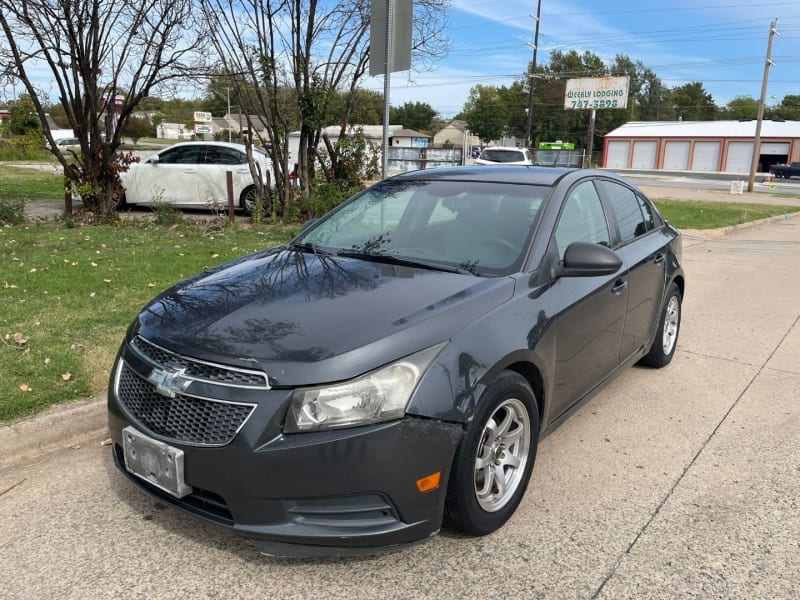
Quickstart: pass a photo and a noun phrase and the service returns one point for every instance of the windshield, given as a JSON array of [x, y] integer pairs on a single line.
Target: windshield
[[483, 228]]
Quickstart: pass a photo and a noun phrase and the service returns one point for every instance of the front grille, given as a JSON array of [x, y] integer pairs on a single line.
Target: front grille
[[184, 418], [200, 370]]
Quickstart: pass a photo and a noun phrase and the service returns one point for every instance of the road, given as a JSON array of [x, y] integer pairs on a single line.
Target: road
[[677, 483]]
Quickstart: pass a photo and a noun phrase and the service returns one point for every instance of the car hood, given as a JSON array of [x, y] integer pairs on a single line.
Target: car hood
[[306, 318]]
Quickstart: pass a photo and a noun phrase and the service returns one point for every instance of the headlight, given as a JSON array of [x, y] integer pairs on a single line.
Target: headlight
[[381, 395]]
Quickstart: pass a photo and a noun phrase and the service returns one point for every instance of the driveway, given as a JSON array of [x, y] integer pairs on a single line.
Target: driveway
[[683, 482]]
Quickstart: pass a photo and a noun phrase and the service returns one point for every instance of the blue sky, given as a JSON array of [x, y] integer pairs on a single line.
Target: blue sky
[[721, 43]]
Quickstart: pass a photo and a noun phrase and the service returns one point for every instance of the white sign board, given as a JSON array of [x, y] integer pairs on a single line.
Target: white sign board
[[202, 128], [202, 117], [596, 92]]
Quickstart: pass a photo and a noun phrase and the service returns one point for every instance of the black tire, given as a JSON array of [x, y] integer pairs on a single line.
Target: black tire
[[666, 340], [120, 203], [475, 505], [247, 201]]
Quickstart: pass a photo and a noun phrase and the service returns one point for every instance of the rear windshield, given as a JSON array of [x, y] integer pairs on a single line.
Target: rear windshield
[[503, 156]]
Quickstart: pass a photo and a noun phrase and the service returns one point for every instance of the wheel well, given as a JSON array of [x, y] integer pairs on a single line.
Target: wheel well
[[534, 378], [680, 283]]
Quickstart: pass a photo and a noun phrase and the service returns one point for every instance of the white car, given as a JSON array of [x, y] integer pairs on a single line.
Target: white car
[[502, 155], [193, 175]]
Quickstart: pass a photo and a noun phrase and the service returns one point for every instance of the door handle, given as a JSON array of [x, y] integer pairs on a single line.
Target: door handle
[[659, 258], [619, 286]]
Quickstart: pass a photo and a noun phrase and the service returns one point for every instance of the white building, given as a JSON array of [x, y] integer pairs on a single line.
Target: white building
[[720, 146]]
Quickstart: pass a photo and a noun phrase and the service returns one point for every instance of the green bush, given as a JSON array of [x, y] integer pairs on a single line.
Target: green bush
[[24, 147], [12, 212]]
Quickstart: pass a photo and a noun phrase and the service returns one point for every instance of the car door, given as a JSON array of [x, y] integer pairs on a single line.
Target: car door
[[644, 253], [212, 179], [168, 177], [590, 310]]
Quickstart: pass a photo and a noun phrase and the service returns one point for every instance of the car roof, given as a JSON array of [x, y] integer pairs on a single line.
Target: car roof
[[499, 173], [504, 148], [209, 143]]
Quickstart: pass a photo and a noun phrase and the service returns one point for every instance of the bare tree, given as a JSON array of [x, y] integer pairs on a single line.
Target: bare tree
[[100, 58], [292, 56]]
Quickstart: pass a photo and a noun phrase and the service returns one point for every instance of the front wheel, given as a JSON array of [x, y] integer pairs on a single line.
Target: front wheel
[[666, 340], [493, 463]]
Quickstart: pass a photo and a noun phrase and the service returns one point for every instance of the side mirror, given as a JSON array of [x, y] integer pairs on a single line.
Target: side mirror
[[153, 160], [584, 259]]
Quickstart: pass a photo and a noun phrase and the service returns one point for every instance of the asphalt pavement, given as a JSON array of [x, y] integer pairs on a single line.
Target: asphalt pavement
[[675, 483]]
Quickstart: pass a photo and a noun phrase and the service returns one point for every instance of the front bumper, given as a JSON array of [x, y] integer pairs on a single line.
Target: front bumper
[[342, 492]]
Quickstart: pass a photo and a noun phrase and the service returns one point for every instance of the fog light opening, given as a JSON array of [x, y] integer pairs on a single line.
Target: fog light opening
[[431, 482]]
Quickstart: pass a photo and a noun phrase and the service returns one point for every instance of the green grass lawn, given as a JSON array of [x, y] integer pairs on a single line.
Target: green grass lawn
[[67, 296], [18, 183], [711, 215]]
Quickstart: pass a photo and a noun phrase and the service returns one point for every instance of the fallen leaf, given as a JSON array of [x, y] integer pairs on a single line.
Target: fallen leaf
[[20, 339], [94, 264], [32, 271], [24, 388], [106, 442], [151, 285], [75, 263], [75, 447], [106, 281], [92, 295], [215, 256], [66, 376], [47, 362]]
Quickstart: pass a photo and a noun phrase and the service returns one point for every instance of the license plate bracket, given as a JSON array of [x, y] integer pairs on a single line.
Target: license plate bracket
[[157, 463]]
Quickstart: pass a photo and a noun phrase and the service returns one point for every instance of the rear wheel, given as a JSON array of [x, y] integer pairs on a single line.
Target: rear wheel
[[493, 463], [666, 340], [120, 203], [248, 200]]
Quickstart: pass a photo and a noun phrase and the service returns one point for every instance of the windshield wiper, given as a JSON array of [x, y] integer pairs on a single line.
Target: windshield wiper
[[310, 247], [404, 262]]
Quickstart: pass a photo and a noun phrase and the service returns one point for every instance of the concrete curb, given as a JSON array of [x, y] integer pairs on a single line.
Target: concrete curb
[[56, 428]]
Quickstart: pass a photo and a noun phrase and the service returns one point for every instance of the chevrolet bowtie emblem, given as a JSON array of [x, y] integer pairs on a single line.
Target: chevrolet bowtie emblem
[[169, 383]]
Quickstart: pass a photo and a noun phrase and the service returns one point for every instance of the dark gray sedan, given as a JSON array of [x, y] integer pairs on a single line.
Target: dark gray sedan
[[394, 366]]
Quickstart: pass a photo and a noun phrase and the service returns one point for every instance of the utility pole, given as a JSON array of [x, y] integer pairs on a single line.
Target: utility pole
[[531, 76], [229, 112], [757, 145]]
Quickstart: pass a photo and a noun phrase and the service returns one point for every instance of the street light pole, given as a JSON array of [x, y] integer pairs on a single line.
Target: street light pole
[[757, 144], [531, 76]]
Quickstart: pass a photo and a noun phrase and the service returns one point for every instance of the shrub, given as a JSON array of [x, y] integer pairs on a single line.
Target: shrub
[[12, 212]]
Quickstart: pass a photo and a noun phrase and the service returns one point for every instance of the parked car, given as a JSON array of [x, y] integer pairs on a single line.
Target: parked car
[[394, 365], [507, 156], [786, 171], [65, 144], [193, 174]]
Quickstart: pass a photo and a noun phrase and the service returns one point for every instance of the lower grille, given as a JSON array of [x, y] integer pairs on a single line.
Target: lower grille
[[187, 419], [202, 502]]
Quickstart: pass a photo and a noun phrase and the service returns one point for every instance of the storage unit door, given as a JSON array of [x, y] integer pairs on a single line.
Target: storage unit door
[[706, 156], [771, 148], [618, 154], [676, 155], [740, 156], [644, 155]]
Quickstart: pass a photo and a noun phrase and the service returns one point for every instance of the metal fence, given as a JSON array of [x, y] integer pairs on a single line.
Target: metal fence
[[401, 160]]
